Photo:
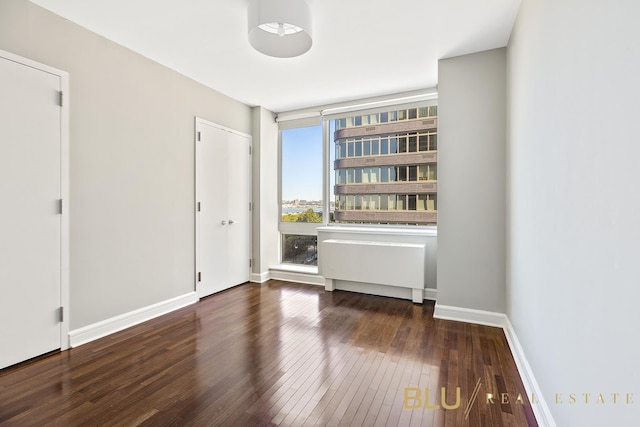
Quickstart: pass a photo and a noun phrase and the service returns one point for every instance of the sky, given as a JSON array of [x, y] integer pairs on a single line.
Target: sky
[[302, 163]]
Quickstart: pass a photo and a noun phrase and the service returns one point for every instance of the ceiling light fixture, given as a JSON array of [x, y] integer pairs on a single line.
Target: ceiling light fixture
[[280, 28]]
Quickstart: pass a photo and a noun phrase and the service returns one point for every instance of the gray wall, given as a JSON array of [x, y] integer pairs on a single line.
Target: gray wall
[[574, 237], [471, 181], [131, 165]]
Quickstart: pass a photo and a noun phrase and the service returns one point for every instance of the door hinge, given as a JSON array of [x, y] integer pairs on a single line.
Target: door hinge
[[198, 206], [198, 136], [250, 263], [250, 151], [249, 206], [61, 312], [199, 277], [61, 100], [60, 206]]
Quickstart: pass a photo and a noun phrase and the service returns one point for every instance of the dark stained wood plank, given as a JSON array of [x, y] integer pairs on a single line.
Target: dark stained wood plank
[[274, 354]]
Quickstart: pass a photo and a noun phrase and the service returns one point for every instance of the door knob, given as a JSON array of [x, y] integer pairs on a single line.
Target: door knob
[[231, 222], [223, 222]]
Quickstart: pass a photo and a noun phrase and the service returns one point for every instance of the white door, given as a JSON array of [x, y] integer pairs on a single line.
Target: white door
[[238, 205], [223, 167], [30, 220]]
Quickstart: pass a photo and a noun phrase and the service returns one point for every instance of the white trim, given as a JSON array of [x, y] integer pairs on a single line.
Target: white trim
[[540, 407], [64, 187], [369, 229], [400, 98], [106, 327], [64, 220], [459, 314], [430, 294], [260, 277], [299, 228], [296, 276], [200, 120], [198, 124], [326, 172], [300, 115], [296, 268]]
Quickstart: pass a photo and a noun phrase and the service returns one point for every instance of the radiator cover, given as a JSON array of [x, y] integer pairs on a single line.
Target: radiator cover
[[382, 263]]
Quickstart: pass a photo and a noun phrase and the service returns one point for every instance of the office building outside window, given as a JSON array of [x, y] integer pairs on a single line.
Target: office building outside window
[[386, 167]]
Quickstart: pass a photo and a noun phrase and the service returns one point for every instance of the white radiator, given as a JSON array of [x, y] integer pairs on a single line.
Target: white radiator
[[381, 263]]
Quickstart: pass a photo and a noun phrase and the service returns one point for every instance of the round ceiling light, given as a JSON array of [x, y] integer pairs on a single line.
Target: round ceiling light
[[280, 28]]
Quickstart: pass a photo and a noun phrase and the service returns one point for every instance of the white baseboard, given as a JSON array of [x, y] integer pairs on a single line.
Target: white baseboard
[[260, 277], [106, 327], [299, 277], [430, 294], [540, 407], [500, 320], [481, 317]]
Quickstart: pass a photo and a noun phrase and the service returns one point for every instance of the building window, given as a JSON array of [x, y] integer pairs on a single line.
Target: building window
[[387, 172]]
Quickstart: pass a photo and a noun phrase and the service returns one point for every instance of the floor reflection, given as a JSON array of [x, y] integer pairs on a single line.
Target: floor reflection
[[271, 354]]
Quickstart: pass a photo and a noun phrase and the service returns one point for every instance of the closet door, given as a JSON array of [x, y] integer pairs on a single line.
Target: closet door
[[30, 218], [223, 218], [238, 208]]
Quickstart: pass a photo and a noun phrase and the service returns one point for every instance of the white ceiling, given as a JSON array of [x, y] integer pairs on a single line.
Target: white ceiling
[[361, 48]]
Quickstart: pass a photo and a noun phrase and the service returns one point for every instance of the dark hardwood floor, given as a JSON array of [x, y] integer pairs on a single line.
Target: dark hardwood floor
[[276, 354]]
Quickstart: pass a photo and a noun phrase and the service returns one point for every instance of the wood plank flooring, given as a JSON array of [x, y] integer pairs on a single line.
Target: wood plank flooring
[[277, 354]]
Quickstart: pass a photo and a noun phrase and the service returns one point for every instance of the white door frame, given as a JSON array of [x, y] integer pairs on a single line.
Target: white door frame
[[64, 187], [198, 121]]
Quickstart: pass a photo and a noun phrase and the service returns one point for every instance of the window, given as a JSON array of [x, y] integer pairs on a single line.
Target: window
[[413, 173], [384, 174], [364, 167], [375, 145], [423, 142], [299, 249], [404, 179], [301, 180], [301, 201], [402, 144], [384, 145]]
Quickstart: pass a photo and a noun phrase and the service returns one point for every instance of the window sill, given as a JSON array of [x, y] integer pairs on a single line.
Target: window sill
[[295, 268], [394, 231]]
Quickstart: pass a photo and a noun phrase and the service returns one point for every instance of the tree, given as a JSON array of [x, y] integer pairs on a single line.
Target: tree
[[309, 216], [289, 217], [306, 216]]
